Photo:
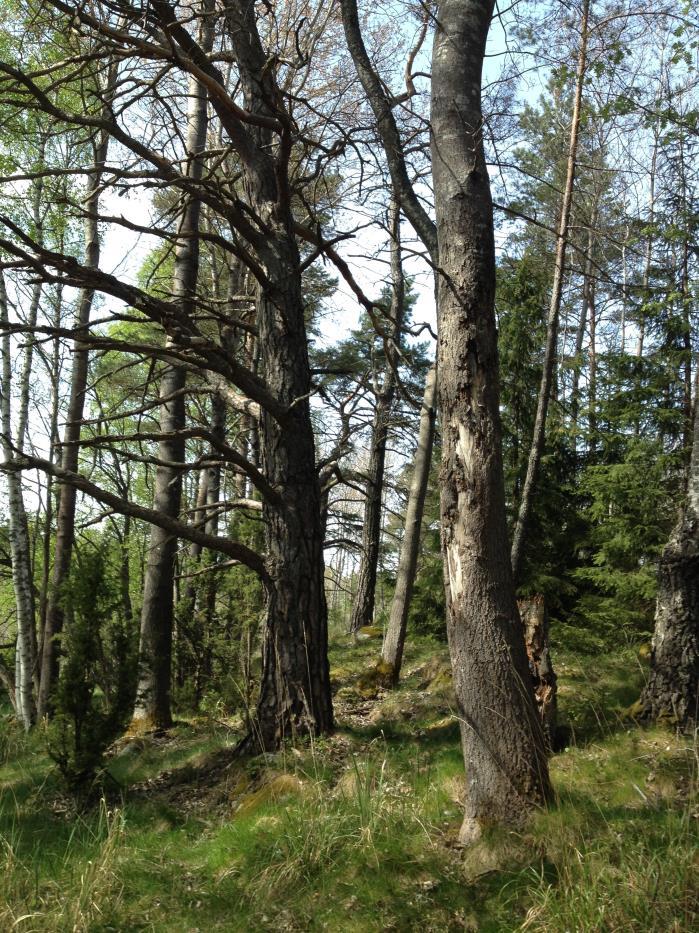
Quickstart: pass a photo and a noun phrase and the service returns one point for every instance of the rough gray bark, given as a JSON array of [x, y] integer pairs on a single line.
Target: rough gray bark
[[503, 742], [672, 692], [295, 687], [20, 550], [539, 436], [363, 607], [394, 640], [152, 706], [65, 517]]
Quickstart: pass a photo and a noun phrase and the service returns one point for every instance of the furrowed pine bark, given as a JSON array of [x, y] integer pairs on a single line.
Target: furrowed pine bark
[[394, 640], [295, 693], [363, 608], [503, 742], [672, 692], [152, 707], [539, 436], [65, 516]]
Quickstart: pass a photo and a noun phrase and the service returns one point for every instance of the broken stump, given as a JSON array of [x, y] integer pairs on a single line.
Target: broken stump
[[532, 610]]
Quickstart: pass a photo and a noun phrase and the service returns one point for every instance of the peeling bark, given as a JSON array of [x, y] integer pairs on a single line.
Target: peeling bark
[[535, 621], [503, 742]]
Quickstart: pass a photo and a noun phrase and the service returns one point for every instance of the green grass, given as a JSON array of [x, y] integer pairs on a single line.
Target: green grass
[[358, 832]]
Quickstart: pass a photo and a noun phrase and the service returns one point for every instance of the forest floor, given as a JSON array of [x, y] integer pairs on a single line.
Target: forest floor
[[358, 832]]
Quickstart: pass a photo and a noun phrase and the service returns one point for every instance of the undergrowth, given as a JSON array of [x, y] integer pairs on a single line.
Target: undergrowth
[[358, 832]]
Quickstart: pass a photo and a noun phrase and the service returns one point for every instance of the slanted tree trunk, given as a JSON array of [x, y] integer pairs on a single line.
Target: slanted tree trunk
[[65, 517], [503, 742], [394, 640], [152, 707], [672, 692], [363, 608], [537, 447]]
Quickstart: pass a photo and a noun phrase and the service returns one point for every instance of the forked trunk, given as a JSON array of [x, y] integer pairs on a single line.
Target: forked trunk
[[295, 688], [363, 607], [503, 742]]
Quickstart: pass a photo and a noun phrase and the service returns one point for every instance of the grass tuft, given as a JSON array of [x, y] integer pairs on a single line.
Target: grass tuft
[[359, 831]]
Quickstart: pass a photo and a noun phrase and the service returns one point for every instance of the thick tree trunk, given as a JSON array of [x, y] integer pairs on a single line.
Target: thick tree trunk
[[503, 742], [295, 688], [394, 640], [672, 692], [152, 707], [538, 439]]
